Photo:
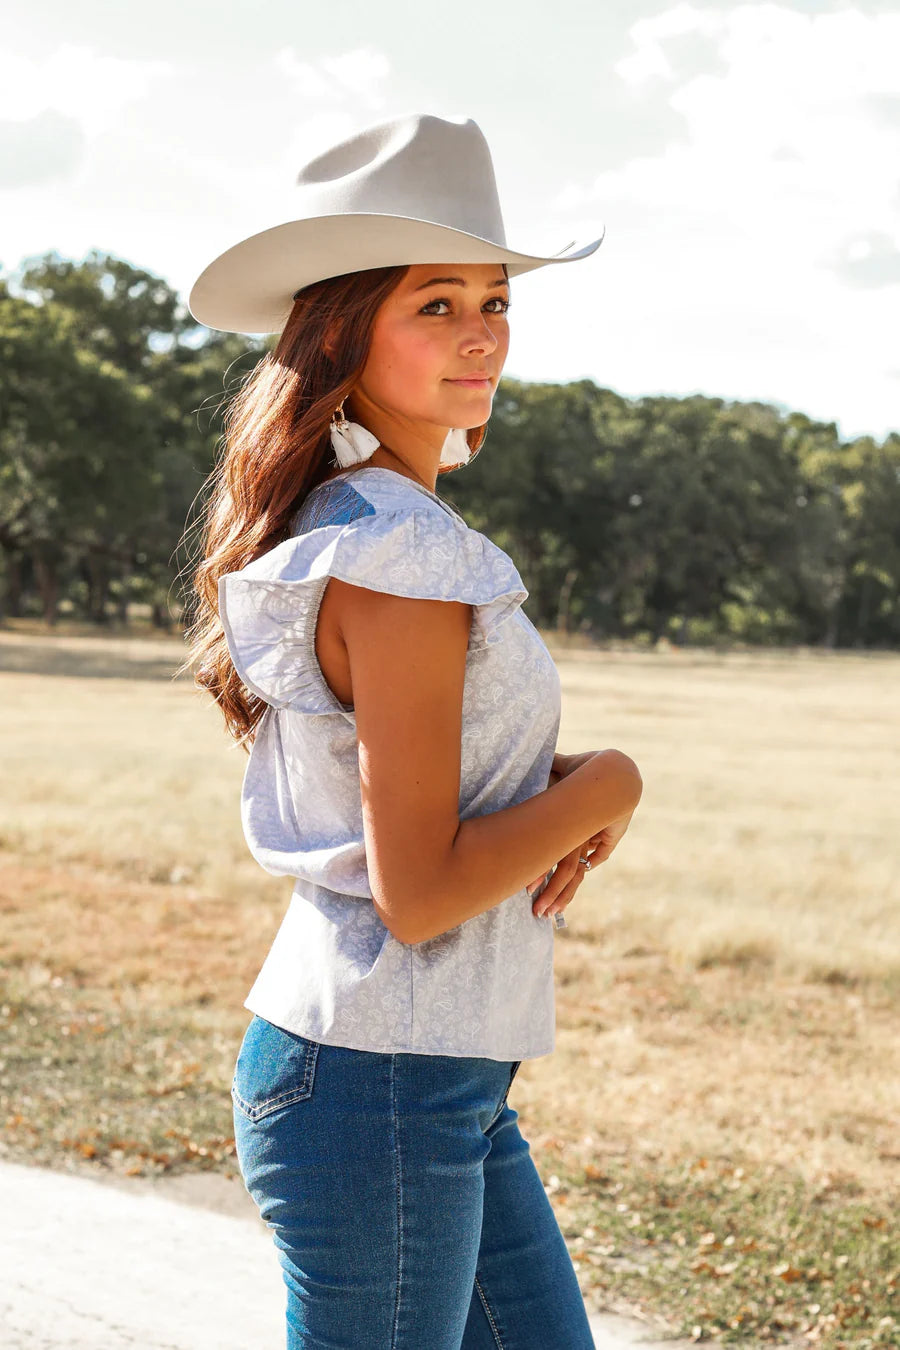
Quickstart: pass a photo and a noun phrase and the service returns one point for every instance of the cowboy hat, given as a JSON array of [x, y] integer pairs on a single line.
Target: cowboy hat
[[413, 189]]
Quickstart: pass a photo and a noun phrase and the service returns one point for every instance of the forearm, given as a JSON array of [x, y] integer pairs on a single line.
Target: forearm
[[495, 855]]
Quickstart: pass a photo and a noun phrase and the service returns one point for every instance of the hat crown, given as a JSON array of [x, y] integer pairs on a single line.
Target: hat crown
[[411, 190], [417, 165]]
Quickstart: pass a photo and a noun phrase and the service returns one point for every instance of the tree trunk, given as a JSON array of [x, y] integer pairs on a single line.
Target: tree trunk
[[13, 585], [862, 613], [122, 601], [48, 585], [98, 587], [565, 595], [834, 584]]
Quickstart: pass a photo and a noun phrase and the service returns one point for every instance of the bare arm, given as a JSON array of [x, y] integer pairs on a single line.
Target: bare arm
[[429, 871], [498, 854]]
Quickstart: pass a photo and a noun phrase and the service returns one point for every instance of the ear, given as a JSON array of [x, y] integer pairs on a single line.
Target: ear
[[328, 343]]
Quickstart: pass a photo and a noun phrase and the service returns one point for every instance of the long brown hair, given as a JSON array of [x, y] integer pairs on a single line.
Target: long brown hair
[[276, 449]]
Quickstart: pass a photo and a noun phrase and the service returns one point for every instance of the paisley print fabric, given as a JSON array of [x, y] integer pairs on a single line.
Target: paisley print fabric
[[334, 972]]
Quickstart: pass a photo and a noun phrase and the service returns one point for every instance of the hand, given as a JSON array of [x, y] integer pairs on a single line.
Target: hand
[[608, 837], [569, 872]]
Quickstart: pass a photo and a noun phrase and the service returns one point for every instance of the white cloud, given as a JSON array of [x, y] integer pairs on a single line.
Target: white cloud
[[358, 75], [790, 122], [766, 243], [76, 81], [649, 35]]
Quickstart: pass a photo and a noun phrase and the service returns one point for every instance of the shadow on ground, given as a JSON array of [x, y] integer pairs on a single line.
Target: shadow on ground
[[93, 658]]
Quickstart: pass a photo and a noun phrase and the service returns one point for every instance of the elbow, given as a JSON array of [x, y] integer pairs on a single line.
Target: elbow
[[398, 920], [413, 889], [405, 916], [632, 782], [413, 879]]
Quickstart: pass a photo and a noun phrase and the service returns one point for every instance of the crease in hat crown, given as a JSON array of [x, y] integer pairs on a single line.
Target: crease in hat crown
[[416, 188], [406, 166]]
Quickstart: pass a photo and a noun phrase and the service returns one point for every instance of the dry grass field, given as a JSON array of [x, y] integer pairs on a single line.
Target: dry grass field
[[719, 1126]]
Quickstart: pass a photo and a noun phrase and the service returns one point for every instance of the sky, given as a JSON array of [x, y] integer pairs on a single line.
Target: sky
[[743, 159]]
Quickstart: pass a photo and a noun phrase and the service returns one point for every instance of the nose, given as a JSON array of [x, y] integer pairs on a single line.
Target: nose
[[480, 336]]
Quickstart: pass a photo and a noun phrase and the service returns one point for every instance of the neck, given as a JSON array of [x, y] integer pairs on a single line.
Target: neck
[[411, 449]]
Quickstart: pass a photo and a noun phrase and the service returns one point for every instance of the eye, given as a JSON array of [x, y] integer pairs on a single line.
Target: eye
[[495, 299]]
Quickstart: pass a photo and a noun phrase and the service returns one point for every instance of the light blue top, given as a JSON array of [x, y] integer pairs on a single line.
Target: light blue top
[[335, 973]]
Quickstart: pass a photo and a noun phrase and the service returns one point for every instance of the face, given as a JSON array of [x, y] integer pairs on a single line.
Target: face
[[444, 321]]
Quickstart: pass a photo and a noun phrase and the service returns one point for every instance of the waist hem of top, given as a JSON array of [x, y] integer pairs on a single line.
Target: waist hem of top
[[286, 1025]]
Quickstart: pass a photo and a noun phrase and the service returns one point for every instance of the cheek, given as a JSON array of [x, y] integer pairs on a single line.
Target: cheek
[[417, 347], [404, 356]]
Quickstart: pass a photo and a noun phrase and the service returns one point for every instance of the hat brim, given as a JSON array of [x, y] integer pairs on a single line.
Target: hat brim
[[250, 287]]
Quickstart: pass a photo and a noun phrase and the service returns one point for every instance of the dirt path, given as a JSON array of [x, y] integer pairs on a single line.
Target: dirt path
[[96, 1266]]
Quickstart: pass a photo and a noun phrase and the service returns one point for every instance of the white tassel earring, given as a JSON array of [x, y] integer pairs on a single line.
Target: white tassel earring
[[351, 442], [455, 449]]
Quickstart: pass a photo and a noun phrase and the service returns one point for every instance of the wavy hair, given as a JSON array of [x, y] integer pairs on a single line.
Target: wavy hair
[[276, 449]]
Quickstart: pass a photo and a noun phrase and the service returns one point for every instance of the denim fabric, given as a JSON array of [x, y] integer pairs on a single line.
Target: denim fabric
[[405, 1205]]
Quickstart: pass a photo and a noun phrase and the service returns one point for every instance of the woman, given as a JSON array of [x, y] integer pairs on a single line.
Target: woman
[[403, 715]]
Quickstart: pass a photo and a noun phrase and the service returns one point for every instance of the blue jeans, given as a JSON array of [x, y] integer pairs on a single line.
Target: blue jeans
[[405, 1205]]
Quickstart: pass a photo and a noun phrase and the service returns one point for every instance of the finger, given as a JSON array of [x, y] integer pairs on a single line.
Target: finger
[[566, 896], [549, 893], [534, 886], [591, 853], [568, 872], [540, 886], [557, 881], [570, 867], [600, 847], [565, 892]]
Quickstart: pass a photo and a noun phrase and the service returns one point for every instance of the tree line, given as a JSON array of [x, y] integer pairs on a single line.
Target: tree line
[[695, 519]]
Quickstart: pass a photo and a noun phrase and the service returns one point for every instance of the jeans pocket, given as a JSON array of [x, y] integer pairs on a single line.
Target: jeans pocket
[[275, 1068]]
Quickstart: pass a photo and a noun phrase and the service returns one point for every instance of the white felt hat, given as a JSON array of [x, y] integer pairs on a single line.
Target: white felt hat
[[414, 189]]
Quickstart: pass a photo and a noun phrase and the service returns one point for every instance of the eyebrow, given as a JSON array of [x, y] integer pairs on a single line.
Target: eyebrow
[[457, 281]]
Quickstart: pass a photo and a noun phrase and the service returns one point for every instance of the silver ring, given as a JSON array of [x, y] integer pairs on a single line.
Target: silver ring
[[586, 862]]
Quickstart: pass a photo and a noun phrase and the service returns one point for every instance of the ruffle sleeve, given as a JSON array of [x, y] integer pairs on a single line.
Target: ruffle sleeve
[[269, 608]]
